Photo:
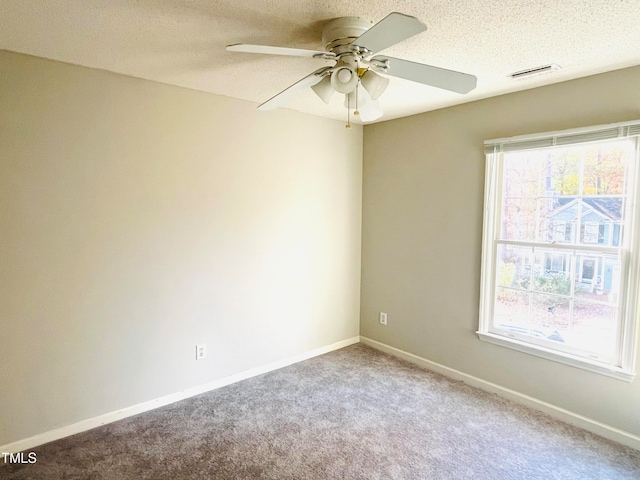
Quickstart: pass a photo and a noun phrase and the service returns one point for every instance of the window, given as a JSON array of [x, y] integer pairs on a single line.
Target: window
[[560, 265]]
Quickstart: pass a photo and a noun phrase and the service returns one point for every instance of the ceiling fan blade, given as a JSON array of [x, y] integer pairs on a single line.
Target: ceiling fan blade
[[436, 77], [392, 29], [266, 49], [282, 97]]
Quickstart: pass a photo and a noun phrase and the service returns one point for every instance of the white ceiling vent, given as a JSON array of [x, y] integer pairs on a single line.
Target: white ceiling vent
[[534, 71]]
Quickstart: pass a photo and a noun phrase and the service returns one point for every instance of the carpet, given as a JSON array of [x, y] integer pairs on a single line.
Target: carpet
[[355, 413]]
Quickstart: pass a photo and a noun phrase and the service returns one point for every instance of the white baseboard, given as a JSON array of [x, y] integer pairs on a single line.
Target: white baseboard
[[58, 433], [566, 416]]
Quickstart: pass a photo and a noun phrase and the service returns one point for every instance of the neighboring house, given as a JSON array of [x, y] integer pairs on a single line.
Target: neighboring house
[[599, 225], [599, 220]]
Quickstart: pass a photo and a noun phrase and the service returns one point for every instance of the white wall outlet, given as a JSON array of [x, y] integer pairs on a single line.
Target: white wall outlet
[[383, 318], [201, 351]]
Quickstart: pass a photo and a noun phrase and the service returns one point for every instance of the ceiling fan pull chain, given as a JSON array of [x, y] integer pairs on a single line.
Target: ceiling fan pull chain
[[348, 117], [356, 112]]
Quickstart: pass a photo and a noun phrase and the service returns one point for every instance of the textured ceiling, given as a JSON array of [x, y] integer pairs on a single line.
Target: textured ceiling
[[181, 42]]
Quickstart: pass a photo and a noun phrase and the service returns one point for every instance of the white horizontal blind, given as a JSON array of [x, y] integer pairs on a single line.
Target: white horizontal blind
[[563, 137]]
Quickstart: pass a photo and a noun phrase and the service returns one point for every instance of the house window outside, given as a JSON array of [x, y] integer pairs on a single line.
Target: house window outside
[[591, 230], [556, 263], [560, 271]]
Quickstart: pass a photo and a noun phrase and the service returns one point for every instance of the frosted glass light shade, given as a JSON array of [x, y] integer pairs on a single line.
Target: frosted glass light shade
[[344, 80], [350, 99], [374, 83], [324, 89]]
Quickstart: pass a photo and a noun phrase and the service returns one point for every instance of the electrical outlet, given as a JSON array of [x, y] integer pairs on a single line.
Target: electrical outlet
[[201, 351], [383, 318]]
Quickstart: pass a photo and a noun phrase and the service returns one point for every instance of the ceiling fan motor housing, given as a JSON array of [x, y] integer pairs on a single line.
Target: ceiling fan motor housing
[[338, 33]]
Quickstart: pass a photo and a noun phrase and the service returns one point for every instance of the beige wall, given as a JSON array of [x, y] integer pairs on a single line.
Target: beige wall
[[138, 219], [422, 237]]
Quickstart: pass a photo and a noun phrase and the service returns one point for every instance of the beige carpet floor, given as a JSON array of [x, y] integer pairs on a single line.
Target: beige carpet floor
[[351, 414]]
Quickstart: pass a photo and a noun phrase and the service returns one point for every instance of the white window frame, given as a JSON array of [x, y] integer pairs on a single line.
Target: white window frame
[[623, 366]]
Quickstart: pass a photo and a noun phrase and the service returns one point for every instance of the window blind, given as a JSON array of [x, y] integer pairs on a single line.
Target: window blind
[[563, 137]]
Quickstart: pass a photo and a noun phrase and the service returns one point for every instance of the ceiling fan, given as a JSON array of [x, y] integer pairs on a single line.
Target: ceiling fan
[[352, 43]]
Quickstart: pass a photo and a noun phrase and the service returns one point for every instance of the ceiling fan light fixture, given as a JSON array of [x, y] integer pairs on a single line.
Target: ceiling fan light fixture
[[371, 111], [350, 99], [344, 80], [324, 89], [354, 45], [374, 83]]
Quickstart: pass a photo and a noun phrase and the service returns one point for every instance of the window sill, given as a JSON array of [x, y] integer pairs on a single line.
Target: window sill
[[567, 359]]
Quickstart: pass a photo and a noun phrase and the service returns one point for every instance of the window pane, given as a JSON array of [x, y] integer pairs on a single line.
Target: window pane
[[511, 307], [554, 281], [523, 173], [514, 266], [519, 217], [550, 317], [566, 195], [558, 217], [594, 327], [564, 172], [550, 311], [604, 169], [601, 218], [597, 277], [544, 317]]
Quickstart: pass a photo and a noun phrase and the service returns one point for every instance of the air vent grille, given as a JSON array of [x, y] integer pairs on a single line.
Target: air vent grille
[[534, 71]]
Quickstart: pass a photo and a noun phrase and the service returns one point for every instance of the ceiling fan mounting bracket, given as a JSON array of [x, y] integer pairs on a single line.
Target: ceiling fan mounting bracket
[[380, 65], [325, 56]]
